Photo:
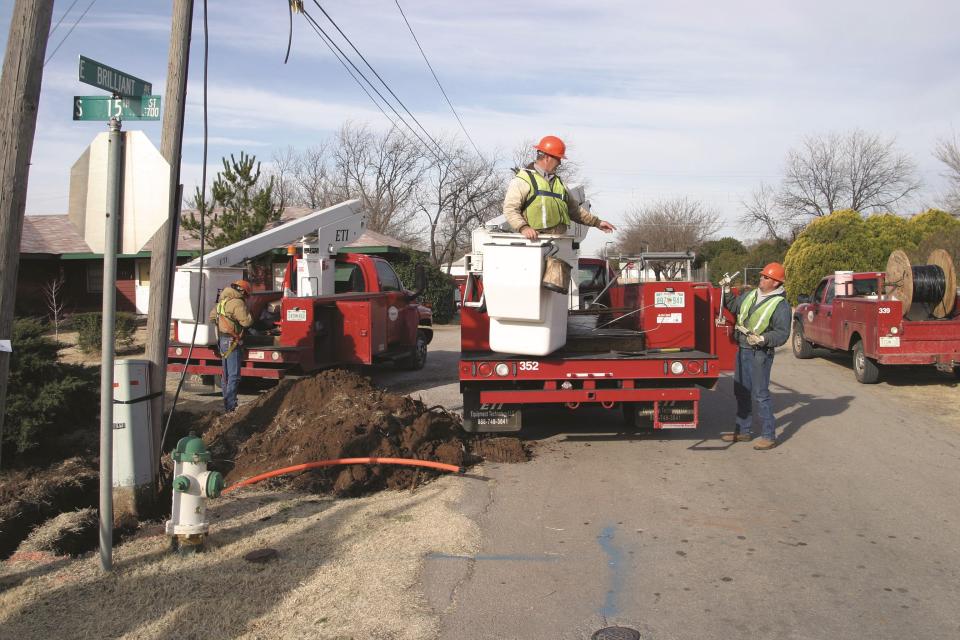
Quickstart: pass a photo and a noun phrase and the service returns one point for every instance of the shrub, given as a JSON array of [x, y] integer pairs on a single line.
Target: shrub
[[90, 328], [439, 292], [45, 399]]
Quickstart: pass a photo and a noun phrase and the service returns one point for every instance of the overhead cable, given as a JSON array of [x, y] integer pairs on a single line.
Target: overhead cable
[[342, 56], [434, 73], [64, 39], [65, 14], [380, 78]]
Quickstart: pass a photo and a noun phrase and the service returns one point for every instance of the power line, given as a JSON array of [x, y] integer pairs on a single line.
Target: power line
[[65, 14], [341, 56], [92, 2], [430, 66], [380, 78]]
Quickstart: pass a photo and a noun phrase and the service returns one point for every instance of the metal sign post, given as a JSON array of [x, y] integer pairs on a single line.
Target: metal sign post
[[115, 163]]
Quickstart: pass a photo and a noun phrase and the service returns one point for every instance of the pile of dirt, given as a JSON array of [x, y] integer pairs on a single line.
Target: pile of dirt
[[338, 414], [32, 496]]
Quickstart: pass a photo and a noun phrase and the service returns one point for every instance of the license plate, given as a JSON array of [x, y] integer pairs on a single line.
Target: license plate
[[669, 299], [890, 341], [256, 355], [296, 315]]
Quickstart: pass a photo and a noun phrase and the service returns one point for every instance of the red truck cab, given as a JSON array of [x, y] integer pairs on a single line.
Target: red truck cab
[[872, 327], [370, 318]]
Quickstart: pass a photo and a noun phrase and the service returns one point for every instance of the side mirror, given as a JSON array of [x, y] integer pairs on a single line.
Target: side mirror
[[803, 298], [419, 281]]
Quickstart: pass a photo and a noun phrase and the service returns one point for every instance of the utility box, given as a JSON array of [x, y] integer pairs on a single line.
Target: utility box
[[132, 433]]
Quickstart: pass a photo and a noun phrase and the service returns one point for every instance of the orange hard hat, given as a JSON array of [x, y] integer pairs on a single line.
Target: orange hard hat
[[775, 271], [243, 285], [552, 146]]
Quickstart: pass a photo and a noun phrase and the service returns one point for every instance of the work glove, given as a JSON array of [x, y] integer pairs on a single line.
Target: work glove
[[725, 283], [754, 340]]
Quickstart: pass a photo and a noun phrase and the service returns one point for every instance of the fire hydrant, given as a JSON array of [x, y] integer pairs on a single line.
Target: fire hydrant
[[192, 485]]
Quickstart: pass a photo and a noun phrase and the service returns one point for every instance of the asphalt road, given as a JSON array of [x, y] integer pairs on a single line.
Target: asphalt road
[[847, 529]]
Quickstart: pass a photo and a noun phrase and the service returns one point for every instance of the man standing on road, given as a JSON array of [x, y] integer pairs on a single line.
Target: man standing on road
[[232, 318], [763, 323], [537, 200]]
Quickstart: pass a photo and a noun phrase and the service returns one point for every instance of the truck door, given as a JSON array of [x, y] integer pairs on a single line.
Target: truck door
[[401, 318], [813, 324]]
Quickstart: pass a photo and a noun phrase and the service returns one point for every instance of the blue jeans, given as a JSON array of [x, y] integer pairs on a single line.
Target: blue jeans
[[751, 381], [231, 374]]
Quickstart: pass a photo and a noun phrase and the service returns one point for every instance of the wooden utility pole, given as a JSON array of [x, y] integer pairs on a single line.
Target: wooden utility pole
[[163, 253], [19, 101]]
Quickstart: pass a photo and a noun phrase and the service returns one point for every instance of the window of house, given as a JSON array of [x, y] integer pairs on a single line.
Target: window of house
[[95, 277]]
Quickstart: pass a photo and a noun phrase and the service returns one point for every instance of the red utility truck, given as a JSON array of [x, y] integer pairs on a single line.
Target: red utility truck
[[873, 328], [339, 309], [648, 355]]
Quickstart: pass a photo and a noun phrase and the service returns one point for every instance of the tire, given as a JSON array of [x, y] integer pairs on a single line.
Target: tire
[[956, 372], [802, 349], [866, 370], [418, 355]]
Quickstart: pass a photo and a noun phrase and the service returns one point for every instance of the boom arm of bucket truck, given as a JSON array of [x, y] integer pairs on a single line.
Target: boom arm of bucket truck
[[322, 234]]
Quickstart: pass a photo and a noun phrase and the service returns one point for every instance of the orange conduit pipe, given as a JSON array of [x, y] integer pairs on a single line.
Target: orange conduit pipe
[[410, 462]]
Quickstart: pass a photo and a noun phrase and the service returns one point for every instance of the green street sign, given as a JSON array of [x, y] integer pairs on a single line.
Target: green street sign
[[105, 107], [109, 79]]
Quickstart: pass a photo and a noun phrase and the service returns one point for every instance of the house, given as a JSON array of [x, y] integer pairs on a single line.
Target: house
[[51, 248]]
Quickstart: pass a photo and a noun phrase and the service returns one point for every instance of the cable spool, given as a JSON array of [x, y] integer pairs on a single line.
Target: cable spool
[[933, 284]]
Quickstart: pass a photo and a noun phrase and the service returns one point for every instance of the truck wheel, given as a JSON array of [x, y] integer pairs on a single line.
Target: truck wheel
[[866, 370], [802, 349], [418, 356]]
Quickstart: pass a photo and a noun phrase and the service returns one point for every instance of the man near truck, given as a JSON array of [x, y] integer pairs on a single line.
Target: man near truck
[[763, 323], [232, 318], [537, 200]]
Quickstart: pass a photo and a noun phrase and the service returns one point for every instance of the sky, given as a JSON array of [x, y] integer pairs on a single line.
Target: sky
[[655, 100]]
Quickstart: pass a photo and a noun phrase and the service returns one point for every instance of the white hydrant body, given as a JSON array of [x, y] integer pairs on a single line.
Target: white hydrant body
[[192, 485]]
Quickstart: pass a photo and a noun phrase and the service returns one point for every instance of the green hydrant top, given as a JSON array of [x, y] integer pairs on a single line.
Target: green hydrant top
[[190, 449]]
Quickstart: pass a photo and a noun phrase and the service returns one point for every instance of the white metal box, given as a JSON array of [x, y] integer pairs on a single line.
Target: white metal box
[[132, 433]]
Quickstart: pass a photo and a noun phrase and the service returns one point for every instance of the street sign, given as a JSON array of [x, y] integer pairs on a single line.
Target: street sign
[[109, 79], [105, 107]]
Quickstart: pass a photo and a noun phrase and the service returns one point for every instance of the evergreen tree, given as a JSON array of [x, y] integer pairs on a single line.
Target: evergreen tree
[[241, 206]]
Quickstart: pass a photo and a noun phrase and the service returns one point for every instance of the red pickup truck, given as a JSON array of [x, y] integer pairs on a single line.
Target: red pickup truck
[[871, 326], [371, 318]]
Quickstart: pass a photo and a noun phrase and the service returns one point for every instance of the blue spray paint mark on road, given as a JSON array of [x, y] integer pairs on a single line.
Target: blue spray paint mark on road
[[615, 562], [502, 558]]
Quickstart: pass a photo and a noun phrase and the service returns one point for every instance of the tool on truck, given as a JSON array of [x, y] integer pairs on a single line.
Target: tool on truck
[[334, 309], [906, 315], [647, 354]]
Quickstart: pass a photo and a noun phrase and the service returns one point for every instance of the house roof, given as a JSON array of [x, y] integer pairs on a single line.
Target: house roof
[[51, 235], [373, 239]]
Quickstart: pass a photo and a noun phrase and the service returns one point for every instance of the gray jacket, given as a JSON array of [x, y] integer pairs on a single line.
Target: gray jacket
[[777, 333]]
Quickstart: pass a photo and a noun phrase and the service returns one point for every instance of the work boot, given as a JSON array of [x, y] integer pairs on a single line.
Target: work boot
[[763, 444], [733, 436]]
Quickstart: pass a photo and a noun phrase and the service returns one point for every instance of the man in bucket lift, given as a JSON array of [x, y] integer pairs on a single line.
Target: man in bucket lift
[[763, 323], [232, 318], [537, 200]]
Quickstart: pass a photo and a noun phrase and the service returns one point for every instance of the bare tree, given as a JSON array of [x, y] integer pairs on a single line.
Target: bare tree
[[313, 177], [678, 224], [948, 152], [53, 296], [827, 173], [762, 211], [383, 170], [858, 171], [460, 192], [282, 171]]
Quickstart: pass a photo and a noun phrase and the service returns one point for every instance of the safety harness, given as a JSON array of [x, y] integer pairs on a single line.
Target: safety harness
[[236, 335], [546, 205]]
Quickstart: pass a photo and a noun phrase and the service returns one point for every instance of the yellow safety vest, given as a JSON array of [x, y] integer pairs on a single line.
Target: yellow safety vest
[[757, 320], [546, 206]]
